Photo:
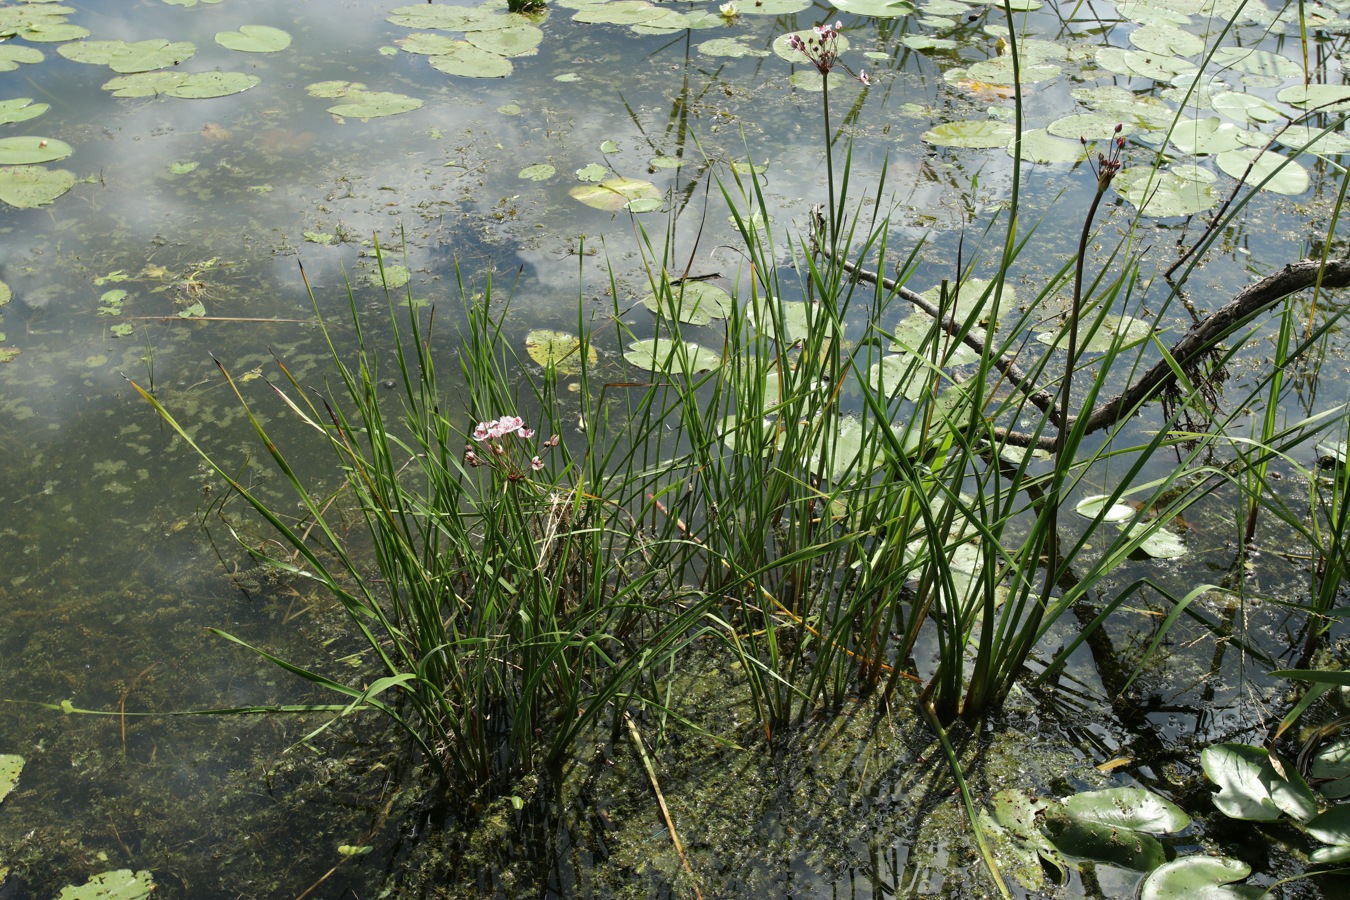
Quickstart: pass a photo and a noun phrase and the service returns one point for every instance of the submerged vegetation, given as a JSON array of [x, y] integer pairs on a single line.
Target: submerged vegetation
[[774, 513]]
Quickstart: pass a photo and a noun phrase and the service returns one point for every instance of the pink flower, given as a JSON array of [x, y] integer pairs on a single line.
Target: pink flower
[[862, 76], [536, 464], [482, 430], [526, 433]]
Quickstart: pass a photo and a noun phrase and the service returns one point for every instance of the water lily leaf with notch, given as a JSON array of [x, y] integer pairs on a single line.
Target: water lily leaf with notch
[[21, 109], [1039, 146], [918, 333], [10, 767], [1246, 108], [793, 315], [1019, 812], [1096, 506], [877, 9], [618, 12], [206, 85], [52, 32], [428, 44], [1250, 788], [558, 350], [612, 194], [692, 302], [1143, 65], [28, 187], [1200, 878], [1178, 191], [999, 71], [1128, 807], [592, 173], [1208, 136], [1286, 175], [1255, 62], [1331, 770], [673, 357], [254, 39], [674, 21], [516, 40], [537, 172], [144, 84], [905, 373], [18, 151], [976, 134], [1158, 542], [146, 56], [1331, 143], [1167, 40], [365, 105], [1126, 330], [469, 61], [729, 47], [973, 297], [1099, 842], [122, 884], [437, 15], [1095, 126], [810, 80], [333, 89], [13, 54], [1326, 97]]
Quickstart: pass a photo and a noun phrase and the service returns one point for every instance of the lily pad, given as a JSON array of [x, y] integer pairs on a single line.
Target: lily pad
[[1325, 97], [592, 173], [733, 48], [122, 884], [692, 302], [1330, 769], [1255, 62], [877, 9], [517, 40], [254, 39], [1200, 878], [784, 50], [6, 294], [1039, 146], [1247, 108], [1250, 787], [1141, 64], [1125, 331], [1100, 842], [10, 767], [206, 85], [537, 172], [440, 16], [366, 105], [1158, 542], [469, 61], [673, 357], [977, 134], [27, 187], [1329, 143], [21, 109], [333, 89], [1097, 506], [1128, 807], [1285, 175], [21, 151], [1330, 827], [558, 350], [11, 55], [144, 84], [904, 374], [129, 58], [1207, 136], [619, 12], [613, 194], [1178, 191]]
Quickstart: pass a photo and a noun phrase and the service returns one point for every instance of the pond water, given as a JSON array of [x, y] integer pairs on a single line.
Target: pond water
[[345, 122]]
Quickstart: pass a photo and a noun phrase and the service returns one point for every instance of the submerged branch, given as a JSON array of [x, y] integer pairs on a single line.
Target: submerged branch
[[1203, 337]]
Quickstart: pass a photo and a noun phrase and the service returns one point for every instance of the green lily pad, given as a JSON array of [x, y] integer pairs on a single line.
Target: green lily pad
[[112, 302], [673, 357], [1247, 108], [516, 40], [11, 55], [1140, 64], [10, 767], [537, 172], [129, 58], [122, 884], [366, 105], [1126, 331], [774, 7], [1095, 126], [469, 61], [1200, 878], [1330, 827], [331, 90], [1331, 770], [27, 187], [1207, 136], [205, 85], [1330, 143], [194, 311], [53, 33], [1255, 62], [613, 194], [558, 350], [904, 374], [609, 147], [1178, 191], [784, 51], [440, 16], [1327, 98], [182, 168], [1286, 176], [1097, 506], [1101, 842], [999, 71], [1128, 807], [8, 354], [733, 48], [1039, 146], [21, 109], [693, 302], [643, 205], [22, 151], [975, 134], [1250, 787], [619, 12], [6, 294], [428, 44], [1157, 542], [319, 237], [144, 84], [593, 172], [1167, 40], [122, 330], [665, 162], [254, 39], [877, 9]]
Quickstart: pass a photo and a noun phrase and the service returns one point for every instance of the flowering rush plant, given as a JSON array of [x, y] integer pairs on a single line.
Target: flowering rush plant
[[500, 443], [822, 50]]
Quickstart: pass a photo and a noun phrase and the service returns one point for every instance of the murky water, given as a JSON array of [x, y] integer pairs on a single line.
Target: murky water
[[201, 209]]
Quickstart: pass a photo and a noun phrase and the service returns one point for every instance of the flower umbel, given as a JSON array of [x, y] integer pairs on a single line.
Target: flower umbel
[[822, 50], [503, 439], [1107, 164]]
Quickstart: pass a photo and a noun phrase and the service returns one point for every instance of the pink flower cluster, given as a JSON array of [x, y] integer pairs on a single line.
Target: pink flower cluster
[[1107, 164], [500, 439], [822, 51]]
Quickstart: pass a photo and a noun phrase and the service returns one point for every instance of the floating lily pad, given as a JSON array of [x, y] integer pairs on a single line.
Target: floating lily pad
[[111, 302], [593, 172], [730, 47], [1096, 126], [1330, 143], [978, 134], [1124, 331], [1207, 136], [1330, 769], [1178, 191], [10, 767], [53, 33], [1333, 826], [1158, 542], [193, 311], [673, 357], [366, 105], [904, 374], [537, 172], [122, 884], [619, 12], [784, 50], [21, 109], [1251, 788], [19, 151], [469, 61], [319, 237], [206, 85], [1167, 40], [1039, 146], [429, 44], [1128, 807], [129, 58], [144, 84], [1097, 506], [558, 350], [665, 162], [6, 294], [614, 194], [11, 55], [1091, 840], [1200, 878], [1255, 62], [254, 39], [877, 9], [26, 187], [124, 330], [693, 302], [999, 71], [643, 205], [609, 147], [1326, 97], [440, 16], [516, 40], [8, 354], [333, 89], [1247, 108], [1285, 175], [1139, 63]]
